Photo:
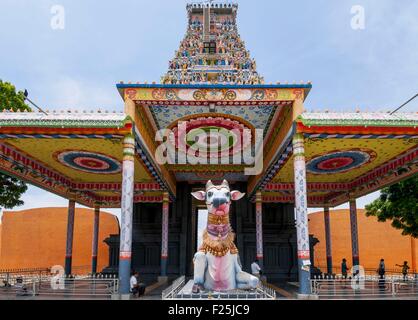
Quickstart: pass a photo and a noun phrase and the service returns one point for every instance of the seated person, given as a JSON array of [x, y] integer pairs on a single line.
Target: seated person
[[137, 289], [21, 290]]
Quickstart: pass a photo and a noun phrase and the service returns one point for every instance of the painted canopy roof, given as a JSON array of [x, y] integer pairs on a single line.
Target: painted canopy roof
[[73, 154], [347, 155]]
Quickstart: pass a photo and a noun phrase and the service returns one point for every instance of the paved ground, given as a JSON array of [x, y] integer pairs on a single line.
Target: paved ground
[[284, 290], [156, 292]]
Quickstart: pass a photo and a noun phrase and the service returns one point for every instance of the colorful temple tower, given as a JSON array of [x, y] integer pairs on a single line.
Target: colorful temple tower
[[211, 97], [212, 50]]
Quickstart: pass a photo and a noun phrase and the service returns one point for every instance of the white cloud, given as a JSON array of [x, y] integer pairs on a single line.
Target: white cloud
[[37, 198], [69, 93], [361, 203]]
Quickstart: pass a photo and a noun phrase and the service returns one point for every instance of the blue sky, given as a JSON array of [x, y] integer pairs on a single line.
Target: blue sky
[[103, 42]]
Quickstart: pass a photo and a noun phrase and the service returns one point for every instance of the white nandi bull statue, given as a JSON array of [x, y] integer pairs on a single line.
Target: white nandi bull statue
[[216, 265]]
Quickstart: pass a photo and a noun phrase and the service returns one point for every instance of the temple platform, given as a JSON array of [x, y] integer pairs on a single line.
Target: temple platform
[[180, 290]]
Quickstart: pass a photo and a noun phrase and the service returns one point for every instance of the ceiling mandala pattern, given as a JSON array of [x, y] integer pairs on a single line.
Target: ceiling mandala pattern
[[258, 116], [89, 162], [219, 137], [338, 162]]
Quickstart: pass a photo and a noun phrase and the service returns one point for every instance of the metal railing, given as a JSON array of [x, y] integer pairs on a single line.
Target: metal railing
[[77, 270], [367, 287], [98, 286], [174, 288], [268, 292], [24, 270], [175, 292], [370, 271], [61, 287]]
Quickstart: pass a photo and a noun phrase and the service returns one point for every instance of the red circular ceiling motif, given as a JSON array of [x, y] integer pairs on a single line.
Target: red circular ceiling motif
[[213, 137]]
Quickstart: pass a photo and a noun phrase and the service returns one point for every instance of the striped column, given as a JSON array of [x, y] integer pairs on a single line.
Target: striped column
[[164, 234], [354, 232], [413, 256], [301, 210], [328, 243], [259, 227], [95, 243], [70, 237], [127, 203]]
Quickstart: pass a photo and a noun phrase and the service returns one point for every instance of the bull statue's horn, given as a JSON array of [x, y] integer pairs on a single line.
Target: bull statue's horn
[[225, 184], [209, 185]]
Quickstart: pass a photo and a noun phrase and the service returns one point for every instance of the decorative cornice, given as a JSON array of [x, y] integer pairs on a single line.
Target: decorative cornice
[[215, 86], [114, 187], [60, 136], [359, 119], [313, 186], [208, 103], [151, 167], [291, 199], [63, 120], [312, 137]]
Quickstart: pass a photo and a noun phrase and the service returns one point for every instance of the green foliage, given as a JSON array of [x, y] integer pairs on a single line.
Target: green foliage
[[398, 203], [10, 99], [11, 189]]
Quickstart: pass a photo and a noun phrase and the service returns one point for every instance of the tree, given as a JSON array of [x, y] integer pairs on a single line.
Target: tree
[[11, 189], [398, 203], [10, 99]]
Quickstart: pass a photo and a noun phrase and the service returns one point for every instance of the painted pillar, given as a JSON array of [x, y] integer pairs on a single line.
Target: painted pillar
[[301, 210], [413, 255], [70, 236], [127, 203], [95, 243], [354, 232], [164, 234], [328, 243], [259, 228]]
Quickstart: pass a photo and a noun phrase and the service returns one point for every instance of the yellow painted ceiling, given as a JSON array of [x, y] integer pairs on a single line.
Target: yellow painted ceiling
[[43, 150], [385, 149]]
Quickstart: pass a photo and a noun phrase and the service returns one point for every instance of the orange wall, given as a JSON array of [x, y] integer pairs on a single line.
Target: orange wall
[[0, 242], [37, 238], [376, 240]]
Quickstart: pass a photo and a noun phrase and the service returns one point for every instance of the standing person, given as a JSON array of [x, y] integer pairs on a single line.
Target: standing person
[[255, 268], [382, 269], [405, 269], [344, 268]]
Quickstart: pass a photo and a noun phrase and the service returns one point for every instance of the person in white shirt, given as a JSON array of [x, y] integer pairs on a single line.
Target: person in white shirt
[[21, 289], [134, 284], [137, 289], [255, 269]]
